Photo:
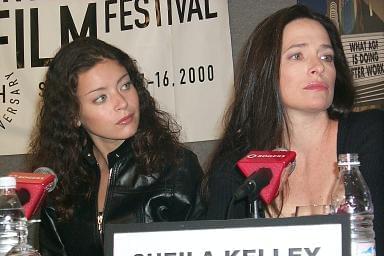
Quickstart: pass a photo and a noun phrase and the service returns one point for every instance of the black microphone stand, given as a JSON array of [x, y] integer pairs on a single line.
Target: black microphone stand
[[251, 189], [256, 207]]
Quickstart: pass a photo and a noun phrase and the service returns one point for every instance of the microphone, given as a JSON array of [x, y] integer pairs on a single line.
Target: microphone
[[254, 183], [279, 162], [32, 188]]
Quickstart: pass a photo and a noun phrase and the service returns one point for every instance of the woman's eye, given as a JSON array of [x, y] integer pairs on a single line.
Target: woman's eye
[[126, 86], [295, 56], [100, 99], [328, 58]]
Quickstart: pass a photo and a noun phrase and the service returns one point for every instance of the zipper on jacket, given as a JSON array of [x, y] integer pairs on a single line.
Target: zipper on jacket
[[100, 215], [100, 222]]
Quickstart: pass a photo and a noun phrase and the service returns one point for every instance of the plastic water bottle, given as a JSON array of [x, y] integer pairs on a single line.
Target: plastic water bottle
[[11, 211], [351, 196]]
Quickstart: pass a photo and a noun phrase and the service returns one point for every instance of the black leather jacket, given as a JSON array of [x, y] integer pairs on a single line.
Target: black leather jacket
[[131, 198]]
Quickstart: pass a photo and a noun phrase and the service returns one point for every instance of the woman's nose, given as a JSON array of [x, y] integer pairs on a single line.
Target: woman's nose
[[316, 66], [120, 101]]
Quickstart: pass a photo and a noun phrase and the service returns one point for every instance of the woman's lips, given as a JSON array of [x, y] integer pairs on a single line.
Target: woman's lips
[[317, 86], [125, 120]]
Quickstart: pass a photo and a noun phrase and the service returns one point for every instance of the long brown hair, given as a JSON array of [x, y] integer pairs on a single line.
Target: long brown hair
[[256, 118], [58, 143]]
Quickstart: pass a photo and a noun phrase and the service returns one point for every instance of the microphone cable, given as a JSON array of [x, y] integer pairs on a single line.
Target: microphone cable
[[229, 209]]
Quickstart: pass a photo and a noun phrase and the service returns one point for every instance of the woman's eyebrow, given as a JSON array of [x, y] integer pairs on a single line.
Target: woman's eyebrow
[[122, 77]]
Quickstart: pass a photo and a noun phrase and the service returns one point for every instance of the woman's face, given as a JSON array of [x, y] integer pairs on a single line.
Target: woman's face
[[109, 104], [307, 70]]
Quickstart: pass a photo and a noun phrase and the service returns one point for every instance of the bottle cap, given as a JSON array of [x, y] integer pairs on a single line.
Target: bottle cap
[[7, 181], [348, 159]]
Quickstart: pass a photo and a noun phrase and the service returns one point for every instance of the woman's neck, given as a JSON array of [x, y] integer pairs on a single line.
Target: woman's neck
[[307, 132], [101, 156]]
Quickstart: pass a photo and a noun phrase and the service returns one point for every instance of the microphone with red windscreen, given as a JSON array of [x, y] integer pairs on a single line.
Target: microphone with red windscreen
[[276, 161], [254, 184], [32, 188]]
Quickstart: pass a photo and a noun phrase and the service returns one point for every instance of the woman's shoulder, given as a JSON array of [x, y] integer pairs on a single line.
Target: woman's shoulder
[[225, 168], [186, 153], [186, 157], [362, 131], [365, 120], [372, 116], [187, 163]]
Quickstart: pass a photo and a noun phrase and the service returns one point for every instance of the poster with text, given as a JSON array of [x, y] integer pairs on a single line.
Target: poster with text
[[182, 47], [361, 25]]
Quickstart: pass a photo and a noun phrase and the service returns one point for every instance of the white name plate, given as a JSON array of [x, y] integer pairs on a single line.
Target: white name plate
[[304, 236]]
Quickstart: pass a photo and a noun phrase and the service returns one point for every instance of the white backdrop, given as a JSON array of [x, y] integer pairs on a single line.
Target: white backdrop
[[182, 46]]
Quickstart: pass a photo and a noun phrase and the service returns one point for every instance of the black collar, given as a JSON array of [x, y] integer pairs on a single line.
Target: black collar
[[123, 150]]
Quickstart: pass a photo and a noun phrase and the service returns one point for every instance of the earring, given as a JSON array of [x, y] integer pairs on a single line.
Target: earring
[[78, 123]]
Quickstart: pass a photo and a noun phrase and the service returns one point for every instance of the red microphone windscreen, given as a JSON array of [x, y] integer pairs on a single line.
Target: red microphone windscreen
[[36, 184], [274, 160]]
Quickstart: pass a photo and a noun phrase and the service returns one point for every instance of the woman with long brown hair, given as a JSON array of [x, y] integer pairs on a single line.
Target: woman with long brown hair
[[116, 155], [293, 90]]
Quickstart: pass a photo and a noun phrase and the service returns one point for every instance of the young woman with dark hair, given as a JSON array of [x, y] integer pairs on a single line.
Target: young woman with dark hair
[[293, 90], [116, 155]]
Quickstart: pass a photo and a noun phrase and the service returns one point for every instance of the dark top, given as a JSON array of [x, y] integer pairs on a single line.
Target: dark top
[[361, 132], [132, 197]]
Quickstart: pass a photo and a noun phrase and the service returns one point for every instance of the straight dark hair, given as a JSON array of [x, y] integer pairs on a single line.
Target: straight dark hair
[[256, 118]]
